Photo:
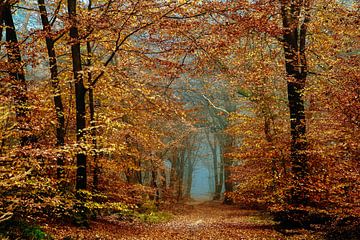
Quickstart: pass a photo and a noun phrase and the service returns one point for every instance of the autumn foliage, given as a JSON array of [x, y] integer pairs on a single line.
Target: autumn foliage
[[105, 104]]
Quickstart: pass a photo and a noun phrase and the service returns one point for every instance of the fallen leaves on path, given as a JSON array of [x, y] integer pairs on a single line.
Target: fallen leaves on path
[[209, 220]]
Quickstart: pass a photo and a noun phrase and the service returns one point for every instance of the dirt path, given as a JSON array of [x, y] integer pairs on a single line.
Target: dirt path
[[213, 220], [208, 220]]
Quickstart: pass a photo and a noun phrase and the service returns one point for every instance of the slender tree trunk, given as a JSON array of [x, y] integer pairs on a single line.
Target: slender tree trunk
[[163, 182], [227, 173], [294, 37], [176, 174], [268, 118], [221, 175], [80, 92], [180, 175], [189, 178], [213, 147], [93, 122], [154, 184], [93, 137], [216, 175], [55, 83], [1, 20], [138, 174], [219, 171], [94, 154], [26, 23], [188, 166], [173, 172], [16, 73]]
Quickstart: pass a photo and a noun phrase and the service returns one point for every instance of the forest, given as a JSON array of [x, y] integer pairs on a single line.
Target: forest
[[179, 119]]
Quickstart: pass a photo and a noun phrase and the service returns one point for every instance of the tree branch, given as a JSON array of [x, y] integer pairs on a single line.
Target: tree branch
[[213, 105]]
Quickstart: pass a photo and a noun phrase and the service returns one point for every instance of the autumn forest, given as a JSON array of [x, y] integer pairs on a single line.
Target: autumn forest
[[179, 119]]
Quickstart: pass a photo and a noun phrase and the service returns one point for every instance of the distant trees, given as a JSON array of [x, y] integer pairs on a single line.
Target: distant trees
[[218, 167], [211, 99]]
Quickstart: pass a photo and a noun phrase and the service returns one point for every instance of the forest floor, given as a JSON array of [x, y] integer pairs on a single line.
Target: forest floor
[[205, 220]]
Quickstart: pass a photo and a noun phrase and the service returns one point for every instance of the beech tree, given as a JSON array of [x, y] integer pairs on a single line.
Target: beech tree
[[80, 94], [16, 71], [55, 83], [295, 17], [218, 166]]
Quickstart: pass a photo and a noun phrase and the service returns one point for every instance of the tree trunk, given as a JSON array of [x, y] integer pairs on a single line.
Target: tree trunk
[[268, 120], [154, 184], [93, 137], [217, 180], [173, 171], [55, 83], [94, 154], [17, 75], [227, 165], [294, 38], [189, 178], [180, 174], [221, 175], [80, 92], [1, 21]]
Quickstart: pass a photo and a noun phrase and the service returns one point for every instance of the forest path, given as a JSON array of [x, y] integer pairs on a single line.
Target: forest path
[[213, 220], [206, 220]]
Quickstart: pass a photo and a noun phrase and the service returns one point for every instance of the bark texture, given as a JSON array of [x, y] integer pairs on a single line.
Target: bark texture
[[80, 93], [16, 73], [295, 18], [55, 84]]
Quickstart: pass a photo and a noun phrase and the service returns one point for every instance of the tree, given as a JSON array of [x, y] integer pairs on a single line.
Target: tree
[[96, 171], [80, 94], [295, 18], [215, 146], [16, 72], [55, 83]]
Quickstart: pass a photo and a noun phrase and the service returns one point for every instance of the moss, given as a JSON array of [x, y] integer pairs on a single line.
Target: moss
[[13, 229]]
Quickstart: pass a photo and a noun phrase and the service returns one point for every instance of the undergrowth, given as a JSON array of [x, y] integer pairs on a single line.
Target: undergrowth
[[17, 229]]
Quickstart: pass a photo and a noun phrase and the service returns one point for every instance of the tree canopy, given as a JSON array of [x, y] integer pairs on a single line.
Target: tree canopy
[[109, 106]]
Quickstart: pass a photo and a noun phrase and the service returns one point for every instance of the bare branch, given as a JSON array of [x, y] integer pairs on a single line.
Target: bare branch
[[213, 105]]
